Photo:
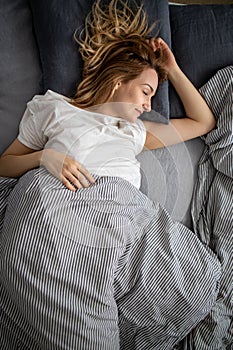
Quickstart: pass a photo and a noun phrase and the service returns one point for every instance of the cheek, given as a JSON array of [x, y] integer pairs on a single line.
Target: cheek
[[134, 97], [120, 95], [128, 93]]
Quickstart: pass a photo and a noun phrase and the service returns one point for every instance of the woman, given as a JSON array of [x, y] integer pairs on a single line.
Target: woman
[[121, 74], [101, 267]]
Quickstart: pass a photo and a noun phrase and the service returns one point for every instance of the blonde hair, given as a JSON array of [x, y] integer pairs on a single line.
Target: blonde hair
[[114, 49]]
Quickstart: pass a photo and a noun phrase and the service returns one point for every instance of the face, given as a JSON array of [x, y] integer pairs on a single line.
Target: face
[[133, 98]]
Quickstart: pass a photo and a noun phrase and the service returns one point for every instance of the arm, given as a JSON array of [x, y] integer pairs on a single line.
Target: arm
[[199, 119], [18, 159]]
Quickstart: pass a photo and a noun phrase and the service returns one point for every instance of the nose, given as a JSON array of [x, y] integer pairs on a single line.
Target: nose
[[147, 106]]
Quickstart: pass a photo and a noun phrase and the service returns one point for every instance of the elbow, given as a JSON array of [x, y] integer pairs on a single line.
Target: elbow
[[208, 122], [211, 124]]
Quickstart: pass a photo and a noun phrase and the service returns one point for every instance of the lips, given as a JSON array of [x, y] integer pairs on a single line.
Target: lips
[[139, 111]]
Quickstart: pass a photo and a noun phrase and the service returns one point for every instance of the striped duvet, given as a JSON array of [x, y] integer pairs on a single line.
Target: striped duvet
[[212, 213]]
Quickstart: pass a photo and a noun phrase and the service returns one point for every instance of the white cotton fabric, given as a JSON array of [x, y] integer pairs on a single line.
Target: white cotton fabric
[[95, 140]]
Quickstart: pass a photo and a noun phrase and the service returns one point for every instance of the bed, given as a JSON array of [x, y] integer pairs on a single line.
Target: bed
[[189, 184]]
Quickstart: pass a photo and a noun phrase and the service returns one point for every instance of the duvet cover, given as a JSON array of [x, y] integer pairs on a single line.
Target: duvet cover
[[212, 212]]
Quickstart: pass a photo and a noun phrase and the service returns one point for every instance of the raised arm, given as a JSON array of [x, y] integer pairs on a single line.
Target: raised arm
[[18, 159], [199, 119]]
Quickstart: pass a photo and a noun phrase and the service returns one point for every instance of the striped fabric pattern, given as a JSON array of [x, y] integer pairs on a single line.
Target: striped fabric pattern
[[71, 262], [212, 212], [102, 268]]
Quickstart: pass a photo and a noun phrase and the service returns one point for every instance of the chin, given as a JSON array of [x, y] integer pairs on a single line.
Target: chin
[[131, 115], [131, 119]]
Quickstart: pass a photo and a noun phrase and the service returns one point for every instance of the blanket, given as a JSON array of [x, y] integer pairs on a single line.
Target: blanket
[[97, 268], [212, 212], [102, 268]]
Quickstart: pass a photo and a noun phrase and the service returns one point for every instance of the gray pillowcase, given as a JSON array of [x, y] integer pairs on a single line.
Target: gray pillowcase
[[202, 41], [55, 23], [20, 73]]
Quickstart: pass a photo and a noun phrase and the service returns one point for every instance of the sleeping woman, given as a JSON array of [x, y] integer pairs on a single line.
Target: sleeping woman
[[87, 260]]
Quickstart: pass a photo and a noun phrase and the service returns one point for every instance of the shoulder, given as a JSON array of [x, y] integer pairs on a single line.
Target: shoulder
[[49, 100], [43, 110], [50, 95]]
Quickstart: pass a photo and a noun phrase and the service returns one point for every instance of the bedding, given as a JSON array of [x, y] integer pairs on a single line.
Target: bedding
[[106, 267], [212, 209], [70, 262], [20, 72], [57, 46], [202, 44]]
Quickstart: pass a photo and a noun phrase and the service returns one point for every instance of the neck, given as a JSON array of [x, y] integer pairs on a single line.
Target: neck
[[108, 108]]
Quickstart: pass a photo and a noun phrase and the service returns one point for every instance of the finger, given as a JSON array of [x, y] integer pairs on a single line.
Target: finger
[[73, 170], [79, 179], [86, 173], [68, 184], [157, 44], [152, 43], [74, 180], [163, 43], [76, 168]]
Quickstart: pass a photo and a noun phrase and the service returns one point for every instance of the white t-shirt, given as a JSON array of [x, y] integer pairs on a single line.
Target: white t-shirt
[[105, 145]]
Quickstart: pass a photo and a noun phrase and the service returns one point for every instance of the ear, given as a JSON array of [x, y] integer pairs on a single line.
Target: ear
[[115, 88], [118, 84]]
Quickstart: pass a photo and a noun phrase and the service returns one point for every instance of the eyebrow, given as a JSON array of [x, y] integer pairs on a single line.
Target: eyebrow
[[152, 90]]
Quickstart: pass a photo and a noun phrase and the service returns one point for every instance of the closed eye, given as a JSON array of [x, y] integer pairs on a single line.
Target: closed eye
[[152, 91]]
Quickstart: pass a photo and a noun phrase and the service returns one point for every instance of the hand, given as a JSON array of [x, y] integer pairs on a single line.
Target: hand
[[71, 173], [167, 55]]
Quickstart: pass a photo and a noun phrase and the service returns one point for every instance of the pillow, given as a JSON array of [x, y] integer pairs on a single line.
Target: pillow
[[20, 73], [169, 175], [202, 42], [55, 23]]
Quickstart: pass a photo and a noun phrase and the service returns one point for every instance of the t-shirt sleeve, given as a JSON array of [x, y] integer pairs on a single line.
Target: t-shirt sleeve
[[32, 126], [139, 136]]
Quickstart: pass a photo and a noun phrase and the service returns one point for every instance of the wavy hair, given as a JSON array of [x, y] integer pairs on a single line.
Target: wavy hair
[[114, 48]]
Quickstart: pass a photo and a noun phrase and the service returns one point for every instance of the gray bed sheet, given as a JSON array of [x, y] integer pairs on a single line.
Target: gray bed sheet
[[169, 175]]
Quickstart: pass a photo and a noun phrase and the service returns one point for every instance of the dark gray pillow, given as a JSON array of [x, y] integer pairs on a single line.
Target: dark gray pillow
[[20, 73], [202, 41], [55, 23]]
